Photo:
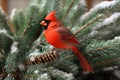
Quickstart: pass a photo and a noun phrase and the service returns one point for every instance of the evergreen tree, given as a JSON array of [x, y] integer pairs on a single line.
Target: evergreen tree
[[24, 51]]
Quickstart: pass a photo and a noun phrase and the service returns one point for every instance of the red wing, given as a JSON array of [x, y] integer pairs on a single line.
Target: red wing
[[67, 35], [64, 32]]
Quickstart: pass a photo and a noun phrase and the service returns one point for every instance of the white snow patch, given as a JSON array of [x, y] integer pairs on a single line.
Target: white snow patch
[[75, 7], [36, 71], [32, 58], [3, 31], [94, 32], [109, 68], [117, 37], [44, 76], [74, 29], [50, 47], [102, 5], [111, 19], [105, 4], [21, 67], [13, 13], [34, 53], [83, 2], [67, 76], [14, 47]]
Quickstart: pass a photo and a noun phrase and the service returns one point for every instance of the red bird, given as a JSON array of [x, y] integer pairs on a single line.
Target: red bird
[[61, 37]]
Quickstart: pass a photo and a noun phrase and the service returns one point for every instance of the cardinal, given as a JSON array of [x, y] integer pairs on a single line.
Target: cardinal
[[61, 37]]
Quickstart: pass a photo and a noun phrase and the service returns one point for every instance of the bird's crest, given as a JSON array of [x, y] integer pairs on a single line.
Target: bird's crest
[[51, 16]]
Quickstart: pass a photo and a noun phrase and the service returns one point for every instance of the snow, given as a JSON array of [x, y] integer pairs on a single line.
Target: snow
[[117, 37], [14, 47], [32, 58], [94, 32], [83, 2], [21, 67], [34, 53], [13, 13], [5, 32], [102, 5], [44, 76], [105, 4], [67, 76], [112, 18], [36, 71]]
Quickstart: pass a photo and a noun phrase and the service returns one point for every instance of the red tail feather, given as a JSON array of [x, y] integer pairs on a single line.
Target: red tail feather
[[84, 63]]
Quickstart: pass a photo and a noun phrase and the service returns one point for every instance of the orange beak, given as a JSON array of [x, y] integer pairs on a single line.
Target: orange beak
[[43, 23]]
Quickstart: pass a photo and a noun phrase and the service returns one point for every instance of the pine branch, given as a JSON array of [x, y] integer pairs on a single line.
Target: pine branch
[[16, 50], [112, 20], [107, 28], [33, 28], [71, 4], [12, 58], [31, 17], [63, 9], [104, 52], [61, 75], [54, 7], [110, 62], [4, 21], [102, 45], [86, 25], [5, 42], [79, 8], [17, 19], [111, 7]]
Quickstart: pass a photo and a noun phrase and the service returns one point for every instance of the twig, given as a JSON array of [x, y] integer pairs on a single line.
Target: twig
[[1, 54], [39, 43], [27, 26], [68, 10], [3, 73], [106, 61], [86, 25]]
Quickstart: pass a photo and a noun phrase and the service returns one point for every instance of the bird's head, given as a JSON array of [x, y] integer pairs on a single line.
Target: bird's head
[[50, 17]]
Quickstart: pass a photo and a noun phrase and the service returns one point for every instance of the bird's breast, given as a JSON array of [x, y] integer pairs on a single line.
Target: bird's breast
[[54, 38]]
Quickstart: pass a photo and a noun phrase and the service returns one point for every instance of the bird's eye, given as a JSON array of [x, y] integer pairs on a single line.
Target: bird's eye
[[47, 21]]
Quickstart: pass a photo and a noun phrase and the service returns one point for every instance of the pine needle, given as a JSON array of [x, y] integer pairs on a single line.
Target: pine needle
[[68, 10], [86, 25], [106, 61]]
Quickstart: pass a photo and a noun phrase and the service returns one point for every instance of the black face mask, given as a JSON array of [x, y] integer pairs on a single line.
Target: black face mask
[[47, 21]]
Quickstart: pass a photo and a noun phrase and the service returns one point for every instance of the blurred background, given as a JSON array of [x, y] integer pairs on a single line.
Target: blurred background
[[8, 5]]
